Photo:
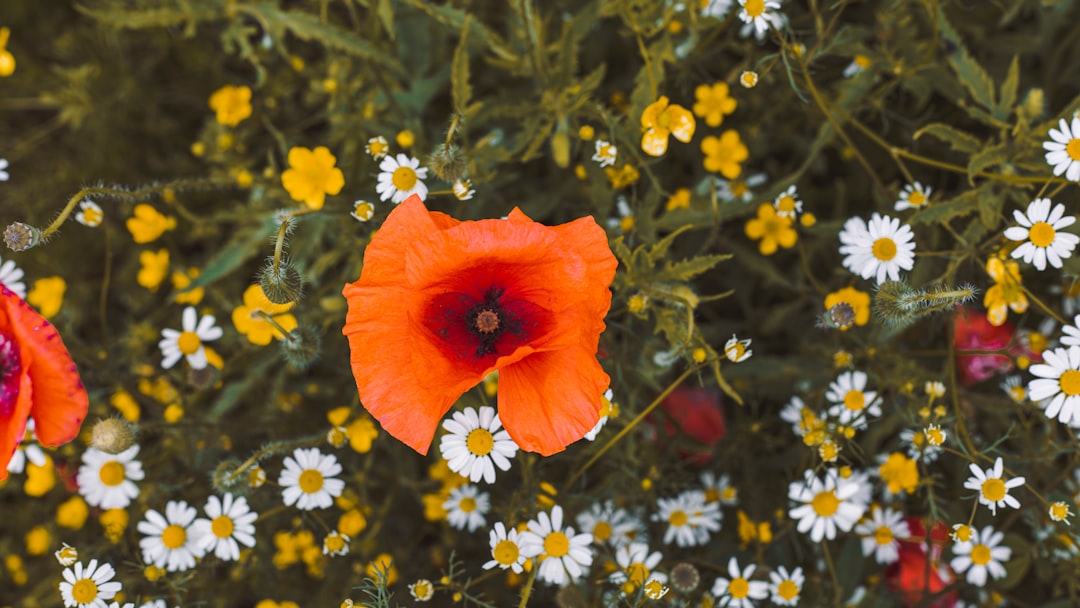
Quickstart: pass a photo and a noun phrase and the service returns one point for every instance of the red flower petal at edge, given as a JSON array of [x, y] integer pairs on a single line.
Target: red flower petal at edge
[[37, 379], [441, 303]]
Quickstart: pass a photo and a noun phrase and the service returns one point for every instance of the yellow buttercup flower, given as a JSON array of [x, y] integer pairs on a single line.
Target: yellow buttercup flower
[[312, 175], [361, 432], [47, 295], [859, 301], [900, 473], [383, 562], [679, 200], [39, 480], [257, 329], [72, 513], [713, 103], [771, 229], [660, 120], [148, 224], [180, 281], [154, 268], [7, 60], [126, 405], [232, 104], [622, 177], [1007, 291], [725, 154]]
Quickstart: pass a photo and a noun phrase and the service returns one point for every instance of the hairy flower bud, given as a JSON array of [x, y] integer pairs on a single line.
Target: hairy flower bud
[[301, 347], [112, 435], [226, 478], [281, 282], [449, 163]]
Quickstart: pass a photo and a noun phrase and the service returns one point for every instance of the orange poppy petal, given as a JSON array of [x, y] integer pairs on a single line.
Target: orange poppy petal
[[549, 400], [384, 258], [13, 422], [59, 401]]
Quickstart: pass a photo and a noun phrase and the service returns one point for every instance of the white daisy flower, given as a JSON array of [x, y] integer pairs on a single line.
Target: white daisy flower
[[881, 534], [231, 523], [717, 8], [737, 590], [363, 211], [636, 565], [1072, 333], [919, 444], [1063, 152], [609, 524], [690, 519], [605, 412], [1059, 511], [606, 153], [335, 543], [125, 605], [158, 603], [759, 16], [980, 556], [90, 214], [826, 505], [88, 587], [1057, 387], [475, 443], [719, 489], [308, 479], [737, 350], [466, 507], [734, 191], [787, 203], [108, 480], [422, 590], [858, 65], [27, 450], [3, 170], [462, 189], [563, 555], [785, 586], [399, 178], [1014, 388], [505, 549], [1040, 230], [625, 220], [66, 555], [993, 490], [852, 403], [880, 249], [171, 542], [377, 147], [801, 418], [188, 343], [11, 277], [913, 196]]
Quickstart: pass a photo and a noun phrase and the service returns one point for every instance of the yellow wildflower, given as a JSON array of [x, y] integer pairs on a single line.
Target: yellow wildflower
[[405, 139], [126, 405], [725, 155], [148, 224], [312, 175], [37, 541], [180, 282], [771, 229], [679, 200], [351, 523], [257, 329], [39, 480], [155, 266], [232, 104], [72, 513], [586, 132], [622, 177], [383, 562], [114, 521], [361, 432], [748, 79], [47, 295], [660, 120], [1007, 291], [859, 301], [173, 413], [713, 103], [17, 569], [7, 60], [900, 473]]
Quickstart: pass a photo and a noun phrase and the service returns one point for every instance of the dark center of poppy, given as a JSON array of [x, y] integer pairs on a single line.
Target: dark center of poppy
[[478, 324], [9, 375], [487, 321]]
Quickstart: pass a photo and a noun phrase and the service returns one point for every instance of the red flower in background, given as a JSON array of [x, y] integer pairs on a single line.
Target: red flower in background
[[972, 331], [920, 574], [38, 379], [697, 413]]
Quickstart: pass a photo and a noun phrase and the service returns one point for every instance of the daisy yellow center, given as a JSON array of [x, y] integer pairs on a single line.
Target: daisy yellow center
[[993, 489], [92, 216], [754, 8], [1041, 234], [854, 400], [918, 440], [1037, 342], [1073, 148], [1018, 393], [556, 544], [480, 442], [935, 437], [188, 342], [884, 249], [678, 519], [1059, 511], [786, 204], [712, 495], [84, 591], [962, 534], [626, 224], [735, 351], [862, 61], [222, 526], [729, 493], [602, 531], [637, 572], [505, 552], [335, 543], [739, 588], [467, 504], [739, 188], [311, 481], [404, 178], [1070, 382], [112, 473], [825, 503], [174, 537], [917, 199], [980, 555], [883, 535], [787, 589]]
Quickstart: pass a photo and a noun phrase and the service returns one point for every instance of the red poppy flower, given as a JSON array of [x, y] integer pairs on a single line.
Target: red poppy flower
[[972, 331], [698, 413], [37, 379], [441, 303], [920, 575]]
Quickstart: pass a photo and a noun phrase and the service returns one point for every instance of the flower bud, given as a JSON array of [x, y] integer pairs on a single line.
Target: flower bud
[[226, 478], [839, 316], [301, 347], [449, 163], [112, 435], [20, 237], [281, 283], [685, 577]]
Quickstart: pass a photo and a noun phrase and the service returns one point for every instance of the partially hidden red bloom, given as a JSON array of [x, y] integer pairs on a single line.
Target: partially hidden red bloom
[[697, 413], [441, 303], [972, 331], [37, 379], [919, 574]]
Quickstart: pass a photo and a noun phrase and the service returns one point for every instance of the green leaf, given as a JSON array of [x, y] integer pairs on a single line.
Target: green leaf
[[990, 205], [385, 11], [687, 269], [650, 77], [971, 74], [246, 243], [988, 157], [459, 74], [1007, 97], [965, 204], [958, 140]]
